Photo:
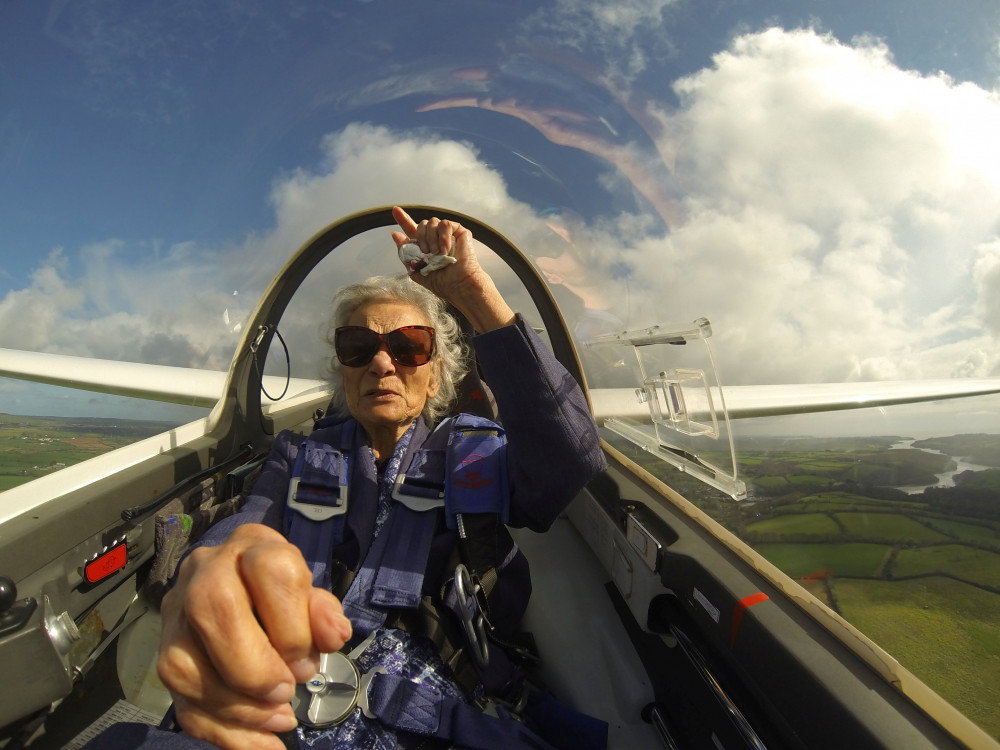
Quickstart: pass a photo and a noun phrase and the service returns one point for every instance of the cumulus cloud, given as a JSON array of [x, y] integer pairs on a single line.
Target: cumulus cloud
[[841, 223], [177, 305], [835, 206], [109, 306], [366, 165], [987, 279]]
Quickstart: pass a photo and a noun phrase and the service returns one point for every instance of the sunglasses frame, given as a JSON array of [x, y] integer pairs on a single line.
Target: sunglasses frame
[[383, 339]]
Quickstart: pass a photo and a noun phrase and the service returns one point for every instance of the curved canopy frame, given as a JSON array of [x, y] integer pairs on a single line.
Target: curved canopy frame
[[243, 386]]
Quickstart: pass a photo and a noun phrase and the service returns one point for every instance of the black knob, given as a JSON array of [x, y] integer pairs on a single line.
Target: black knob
[[8, 594]]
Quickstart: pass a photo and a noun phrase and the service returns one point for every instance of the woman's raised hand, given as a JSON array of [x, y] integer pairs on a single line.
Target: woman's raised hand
[[464, 284]]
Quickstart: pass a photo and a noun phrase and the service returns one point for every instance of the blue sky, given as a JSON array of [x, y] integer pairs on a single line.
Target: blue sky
[[821, 179]]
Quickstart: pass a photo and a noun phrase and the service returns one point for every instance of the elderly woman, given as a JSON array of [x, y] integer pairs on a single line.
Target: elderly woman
[[260, 599]]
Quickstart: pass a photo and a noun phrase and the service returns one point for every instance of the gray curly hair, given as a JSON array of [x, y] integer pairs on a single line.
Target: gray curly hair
[[450, 352]]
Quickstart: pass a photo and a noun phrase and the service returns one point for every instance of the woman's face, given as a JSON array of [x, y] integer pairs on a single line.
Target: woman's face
[[382, 395]]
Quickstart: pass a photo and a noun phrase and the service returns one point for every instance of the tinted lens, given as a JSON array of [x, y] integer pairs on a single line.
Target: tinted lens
[[355, 345], [410, 346]]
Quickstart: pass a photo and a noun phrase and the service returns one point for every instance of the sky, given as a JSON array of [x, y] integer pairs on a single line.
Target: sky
[[821, 180]]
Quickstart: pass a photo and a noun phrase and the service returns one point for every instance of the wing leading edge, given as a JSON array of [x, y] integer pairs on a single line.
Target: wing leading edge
[[747, 401], [177, 385], [182, 385]]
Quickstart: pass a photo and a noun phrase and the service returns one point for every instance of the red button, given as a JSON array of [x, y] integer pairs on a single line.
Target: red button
[[110, 562]]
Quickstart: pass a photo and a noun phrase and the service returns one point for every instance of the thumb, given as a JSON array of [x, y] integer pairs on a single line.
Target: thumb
[[400, 239], [330, 628]]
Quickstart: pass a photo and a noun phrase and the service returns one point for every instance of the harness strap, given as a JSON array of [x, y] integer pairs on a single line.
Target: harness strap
[[460, 466], [400, 579], [392, 574], [318, 496], [476, 470], [424, 710]]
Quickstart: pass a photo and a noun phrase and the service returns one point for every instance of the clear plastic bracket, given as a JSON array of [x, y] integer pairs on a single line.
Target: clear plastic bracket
[[689, 426]]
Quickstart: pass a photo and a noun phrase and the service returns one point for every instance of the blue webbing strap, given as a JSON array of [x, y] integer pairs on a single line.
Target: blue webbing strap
[[476, 469], [423, 479], [320, 478], [400, 578], [365, 619], [471, 452], [424, 710], [392, 574]]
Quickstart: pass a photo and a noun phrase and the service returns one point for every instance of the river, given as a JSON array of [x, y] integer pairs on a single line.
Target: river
[[946, 479]]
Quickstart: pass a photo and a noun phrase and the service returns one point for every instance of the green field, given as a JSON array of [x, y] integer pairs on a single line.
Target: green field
[[825, 465], [888, 526], [945, 632], [32, 447], [801, 560], [818, 525], [771, 482], [808, 480], [9, 482], [844, 501], [828, 499], [28, 454], [961, 530], [967, 563]]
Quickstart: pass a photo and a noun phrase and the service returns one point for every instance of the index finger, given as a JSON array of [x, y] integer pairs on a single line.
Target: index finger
[[408, 225]]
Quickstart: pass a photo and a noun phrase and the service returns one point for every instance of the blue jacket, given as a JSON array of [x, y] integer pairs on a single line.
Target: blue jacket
[[553, 451]]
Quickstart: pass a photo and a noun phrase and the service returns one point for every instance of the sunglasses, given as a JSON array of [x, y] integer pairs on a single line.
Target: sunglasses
[[409, 346]]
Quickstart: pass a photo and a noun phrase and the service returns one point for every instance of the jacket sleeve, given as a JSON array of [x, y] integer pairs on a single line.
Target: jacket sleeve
[[553, 446]]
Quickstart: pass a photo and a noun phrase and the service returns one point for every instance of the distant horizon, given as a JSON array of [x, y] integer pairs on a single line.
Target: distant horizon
[[762, 427], [60, 417], [970, 416], [27, 399]]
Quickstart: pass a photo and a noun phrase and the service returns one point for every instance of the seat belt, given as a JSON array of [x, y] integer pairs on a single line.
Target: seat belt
[[407, 706], [317, 497], [461, 466], [421, 709], [392, 574], [343, 684], [469, 470]]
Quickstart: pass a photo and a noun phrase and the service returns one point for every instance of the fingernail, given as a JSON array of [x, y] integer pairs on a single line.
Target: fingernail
[[340, 625], [304, 669], [346, 629], [284, 692], [280, 723]]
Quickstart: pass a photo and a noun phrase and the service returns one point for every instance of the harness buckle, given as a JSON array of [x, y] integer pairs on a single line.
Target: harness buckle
[[336, 689], [332, 693], [313, 511], [433, 499], [471, 614], [366, 682]]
